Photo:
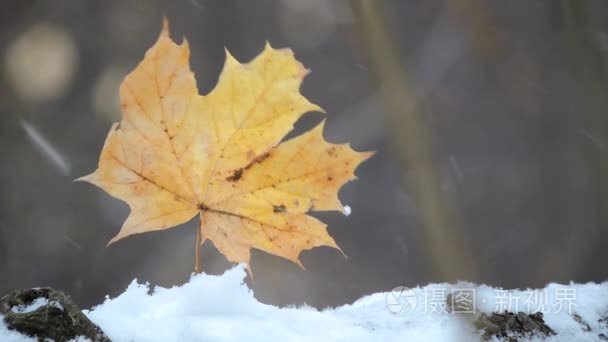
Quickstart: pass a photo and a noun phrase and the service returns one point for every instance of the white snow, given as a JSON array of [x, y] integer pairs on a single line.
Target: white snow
[[12, 336], [56, 304], [33, 306], [222, 308]]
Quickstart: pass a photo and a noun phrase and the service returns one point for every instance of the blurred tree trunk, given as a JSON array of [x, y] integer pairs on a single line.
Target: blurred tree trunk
[[588, 89], [412, 141]]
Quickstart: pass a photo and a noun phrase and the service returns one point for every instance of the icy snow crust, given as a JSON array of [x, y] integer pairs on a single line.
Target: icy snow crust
[[222, 308], [35, 305]]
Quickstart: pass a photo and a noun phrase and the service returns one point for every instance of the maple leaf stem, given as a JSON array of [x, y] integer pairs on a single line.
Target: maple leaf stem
[[197, 251]]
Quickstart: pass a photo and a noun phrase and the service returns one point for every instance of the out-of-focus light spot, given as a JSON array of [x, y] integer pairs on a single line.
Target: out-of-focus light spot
[[41, 62], [307, 24], [105, 94]]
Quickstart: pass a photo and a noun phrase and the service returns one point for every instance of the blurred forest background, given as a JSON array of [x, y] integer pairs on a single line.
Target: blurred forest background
[[490, 119]]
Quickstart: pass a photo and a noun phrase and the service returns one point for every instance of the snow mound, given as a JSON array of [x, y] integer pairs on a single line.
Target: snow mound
[[223, 308]]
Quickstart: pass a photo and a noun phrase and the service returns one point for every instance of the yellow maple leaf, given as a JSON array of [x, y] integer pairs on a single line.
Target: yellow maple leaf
[[177, 154]]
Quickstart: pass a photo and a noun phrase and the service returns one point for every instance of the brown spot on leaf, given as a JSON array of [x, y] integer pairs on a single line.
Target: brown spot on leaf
[[239, 172], [279, 208], [235, 176], [332, 151], [258, 159]]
